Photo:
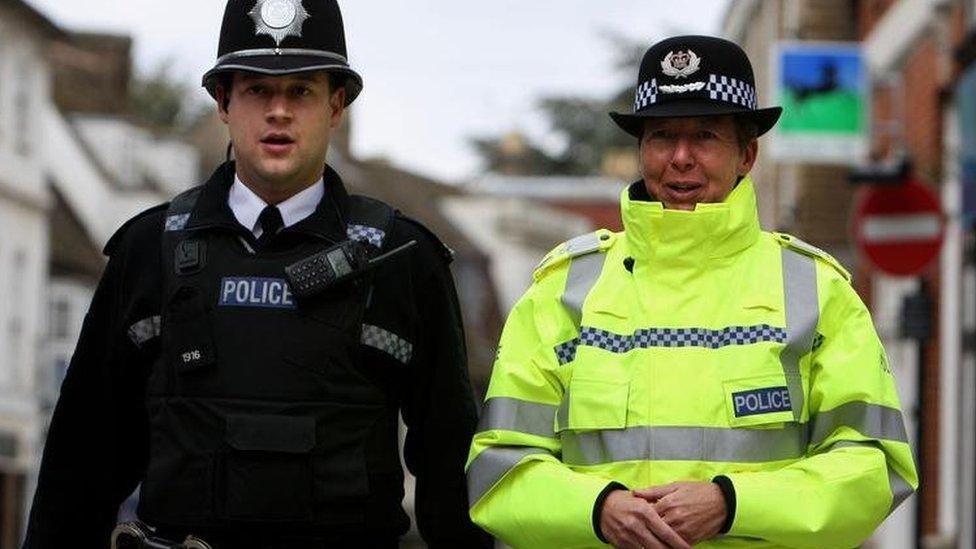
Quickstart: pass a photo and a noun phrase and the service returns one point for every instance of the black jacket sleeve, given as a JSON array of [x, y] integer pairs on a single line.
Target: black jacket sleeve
[[441, 417], [97, 445]]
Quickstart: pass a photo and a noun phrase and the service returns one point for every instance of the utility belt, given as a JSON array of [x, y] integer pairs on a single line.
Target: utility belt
[[136, 535]]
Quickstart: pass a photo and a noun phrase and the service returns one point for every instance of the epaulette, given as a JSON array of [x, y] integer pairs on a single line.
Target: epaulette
[[443, 250], [597, 241], [810, 250], [113, 242]]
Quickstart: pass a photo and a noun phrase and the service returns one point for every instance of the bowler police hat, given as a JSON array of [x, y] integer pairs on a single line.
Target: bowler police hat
[[695, 76], [279, 37]]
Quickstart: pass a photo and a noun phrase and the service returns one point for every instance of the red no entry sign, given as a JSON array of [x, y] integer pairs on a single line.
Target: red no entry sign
[[899, 227]]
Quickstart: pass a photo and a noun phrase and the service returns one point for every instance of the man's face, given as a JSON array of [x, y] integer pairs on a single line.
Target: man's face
[[280, 126], [685, 161]]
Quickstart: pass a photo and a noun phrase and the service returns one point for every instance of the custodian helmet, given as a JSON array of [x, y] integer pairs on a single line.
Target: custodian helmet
[[279, 37]]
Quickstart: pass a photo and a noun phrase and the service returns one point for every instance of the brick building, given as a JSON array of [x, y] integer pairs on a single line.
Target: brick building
[[919, 55]]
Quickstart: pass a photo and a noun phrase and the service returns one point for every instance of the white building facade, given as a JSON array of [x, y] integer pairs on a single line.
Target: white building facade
[[24, 84], [514, 220], [103, 170]]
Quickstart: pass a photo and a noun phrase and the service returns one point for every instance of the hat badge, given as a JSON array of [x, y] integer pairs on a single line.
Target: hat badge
[[680, 64], [279, 18]]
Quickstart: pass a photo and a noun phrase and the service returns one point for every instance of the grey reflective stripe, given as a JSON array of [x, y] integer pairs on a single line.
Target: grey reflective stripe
[[871, 420], [523, 416], [900, 489], [492, 464], [388, 342], [562, 415], [144, 330], [802, 314], [584, 271], [583, 244], [684, 444]]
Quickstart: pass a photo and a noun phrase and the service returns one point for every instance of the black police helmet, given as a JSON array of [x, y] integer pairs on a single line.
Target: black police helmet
[[695, 76], [279, 37]]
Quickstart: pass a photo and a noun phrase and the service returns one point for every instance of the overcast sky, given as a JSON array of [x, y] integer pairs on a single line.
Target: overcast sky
[[436, 71]]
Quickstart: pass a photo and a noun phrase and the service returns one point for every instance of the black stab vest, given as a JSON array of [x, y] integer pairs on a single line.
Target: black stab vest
[[259, 409]]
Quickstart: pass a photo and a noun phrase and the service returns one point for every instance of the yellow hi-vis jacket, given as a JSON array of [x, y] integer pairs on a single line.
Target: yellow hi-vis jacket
[[688, 346]]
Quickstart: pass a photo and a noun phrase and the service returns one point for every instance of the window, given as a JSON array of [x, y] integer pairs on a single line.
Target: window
[[4, 305], [3, 87], [22, 109], [15, 326], [60, 318]]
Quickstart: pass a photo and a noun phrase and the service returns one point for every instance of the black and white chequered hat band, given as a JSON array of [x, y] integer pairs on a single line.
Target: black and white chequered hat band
[[646, 95], [718, 87], [726, 88]]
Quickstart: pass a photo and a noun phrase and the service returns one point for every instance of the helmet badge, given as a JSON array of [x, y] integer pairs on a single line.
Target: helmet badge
[[279, 18], [680, 64]]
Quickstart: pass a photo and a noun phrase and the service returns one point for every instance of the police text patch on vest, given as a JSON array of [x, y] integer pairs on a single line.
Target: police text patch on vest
[[761, 401], [250, 291]]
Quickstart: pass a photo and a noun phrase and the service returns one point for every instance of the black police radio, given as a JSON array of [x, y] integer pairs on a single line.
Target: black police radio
[[346, 260]]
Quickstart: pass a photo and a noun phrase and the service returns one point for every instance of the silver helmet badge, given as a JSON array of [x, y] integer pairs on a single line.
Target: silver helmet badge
[[279, 18], [680, 64]]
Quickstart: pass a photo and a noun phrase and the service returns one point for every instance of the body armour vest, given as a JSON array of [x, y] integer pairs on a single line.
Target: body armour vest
[[259, 410]]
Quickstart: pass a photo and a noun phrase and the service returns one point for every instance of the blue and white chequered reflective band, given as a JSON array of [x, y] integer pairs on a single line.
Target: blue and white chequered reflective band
[[176, 222], [718, 87], [388, 342], [668, 337], [363, 233]]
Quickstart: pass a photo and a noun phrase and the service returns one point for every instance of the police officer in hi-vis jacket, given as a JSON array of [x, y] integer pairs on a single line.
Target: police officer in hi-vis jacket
[[692, 380]]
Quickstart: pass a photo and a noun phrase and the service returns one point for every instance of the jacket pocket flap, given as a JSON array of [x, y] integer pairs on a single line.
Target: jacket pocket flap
[[265, 433], [596, 404]]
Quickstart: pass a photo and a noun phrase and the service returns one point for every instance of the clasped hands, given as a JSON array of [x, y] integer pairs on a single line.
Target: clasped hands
[[676, 516]]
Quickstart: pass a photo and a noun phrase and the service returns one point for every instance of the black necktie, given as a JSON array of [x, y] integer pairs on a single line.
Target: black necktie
[[271, 222]]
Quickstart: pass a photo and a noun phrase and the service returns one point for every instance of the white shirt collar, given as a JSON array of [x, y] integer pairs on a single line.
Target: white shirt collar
[[247, 206]]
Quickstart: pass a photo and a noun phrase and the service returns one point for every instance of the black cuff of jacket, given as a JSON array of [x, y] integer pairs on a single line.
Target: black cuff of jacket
[[728, 493], [598, 507]]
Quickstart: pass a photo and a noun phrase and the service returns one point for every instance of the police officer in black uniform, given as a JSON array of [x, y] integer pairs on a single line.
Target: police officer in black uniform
[[251, 343]]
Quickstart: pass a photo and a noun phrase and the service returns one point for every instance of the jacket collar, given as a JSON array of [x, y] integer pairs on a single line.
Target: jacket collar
[[666, 238], [248, 206], [327, 221]]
